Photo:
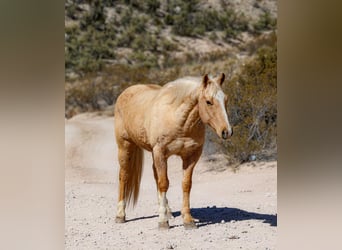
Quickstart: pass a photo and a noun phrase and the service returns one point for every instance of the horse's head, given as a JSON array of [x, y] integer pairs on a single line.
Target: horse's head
[[212, 106]]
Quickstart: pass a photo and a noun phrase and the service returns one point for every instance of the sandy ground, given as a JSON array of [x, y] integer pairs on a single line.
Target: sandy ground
[[235, 209]]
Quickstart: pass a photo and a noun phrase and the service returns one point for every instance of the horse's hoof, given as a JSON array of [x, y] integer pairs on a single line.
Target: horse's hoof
[[163, 225], [120, 219], [190, 225]]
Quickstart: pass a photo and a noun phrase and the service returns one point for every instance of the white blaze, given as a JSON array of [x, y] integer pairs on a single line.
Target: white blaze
[[220, 98]]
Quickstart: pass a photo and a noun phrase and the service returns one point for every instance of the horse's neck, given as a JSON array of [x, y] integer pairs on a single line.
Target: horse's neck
[[189, 113], [193, 119]]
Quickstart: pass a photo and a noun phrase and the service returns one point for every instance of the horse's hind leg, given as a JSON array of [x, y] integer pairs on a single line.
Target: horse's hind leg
[[160, 163], [189, 163], [124, 149]]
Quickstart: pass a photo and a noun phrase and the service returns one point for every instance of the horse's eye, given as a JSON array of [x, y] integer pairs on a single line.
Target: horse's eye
[[209, 103]]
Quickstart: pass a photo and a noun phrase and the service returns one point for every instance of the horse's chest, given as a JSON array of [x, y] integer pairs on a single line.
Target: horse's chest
[[181, 146]]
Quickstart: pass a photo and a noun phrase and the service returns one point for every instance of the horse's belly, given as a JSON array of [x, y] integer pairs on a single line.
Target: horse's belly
[[139, 136]]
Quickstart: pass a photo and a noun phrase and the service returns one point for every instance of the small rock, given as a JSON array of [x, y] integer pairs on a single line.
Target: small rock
[[234, 237], [177, 9], [252, 157], [222, 221]]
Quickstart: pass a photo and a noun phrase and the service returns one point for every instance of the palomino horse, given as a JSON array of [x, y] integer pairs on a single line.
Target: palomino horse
[[168, 120]]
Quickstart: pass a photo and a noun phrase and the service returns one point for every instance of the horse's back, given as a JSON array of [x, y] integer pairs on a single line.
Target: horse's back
[[136, 94], [142, 87]]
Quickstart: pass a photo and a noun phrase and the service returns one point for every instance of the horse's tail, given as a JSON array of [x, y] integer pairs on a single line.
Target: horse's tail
[[134, 173]]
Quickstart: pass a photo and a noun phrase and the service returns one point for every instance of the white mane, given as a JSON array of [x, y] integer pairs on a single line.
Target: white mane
[[182, 87]]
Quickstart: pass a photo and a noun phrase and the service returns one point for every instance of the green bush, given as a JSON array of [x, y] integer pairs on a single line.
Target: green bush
[[86, 50], [261, 41], [265, 22], [152, 6], [71, 11], [196, 22], [167, 45], [96, 17], [253, 105]]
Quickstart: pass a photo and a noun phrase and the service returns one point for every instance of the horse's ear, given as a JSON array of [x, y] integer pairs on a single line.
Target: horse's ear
[[205, 80], [221, 78]]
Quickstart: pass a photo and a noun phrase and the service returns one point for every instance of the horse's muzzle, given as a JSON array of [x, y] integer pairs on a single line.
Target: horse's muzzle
[[226, 134]]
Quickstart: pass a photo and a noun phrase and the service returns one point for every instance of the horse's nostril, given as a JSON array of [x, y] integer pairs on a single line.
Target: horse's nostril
[[225, 134]]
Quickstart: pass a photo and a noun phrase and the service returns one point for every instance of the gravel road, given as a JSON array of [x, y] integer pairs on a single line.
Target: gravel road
[[235, 209]]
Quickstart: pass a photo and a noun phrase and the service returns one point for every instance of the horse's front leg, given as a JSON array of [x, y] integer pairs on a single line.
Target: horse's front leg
[[168, 209], [160, 164], [189, 162]]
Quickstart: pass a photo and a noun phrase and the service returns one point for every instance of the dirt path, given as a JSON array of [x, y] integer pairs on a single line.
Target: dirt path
[[235, 210]]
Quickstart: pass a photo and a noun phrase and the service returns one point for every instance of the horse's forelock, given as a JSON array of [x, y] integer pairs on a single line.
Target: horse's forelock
[[212, 88]]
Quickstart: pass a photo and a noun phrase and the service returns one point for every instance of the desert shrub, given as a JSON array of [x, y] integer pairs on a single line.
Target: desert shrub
[[145, 42], [85, 51], [148, 6], [213, 36], [126, 17], [138, 24], [253, 105], [152, 6], [144, 60], [109, 3], [167, 45], [96, 17], [190, 20], [265, 22], [260, 41], [134, 28], [169, 19], [184, 24], [71, 10]]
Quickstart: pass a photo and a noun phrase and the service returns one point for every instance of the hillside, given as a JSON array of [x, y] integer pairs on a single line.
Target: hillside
[[158, 34], [110, 45]]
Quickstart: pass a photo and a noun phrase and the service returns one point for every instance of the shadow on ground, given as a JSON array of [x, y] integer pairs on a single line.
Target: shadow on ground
[[215, 215], [142, 218]]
